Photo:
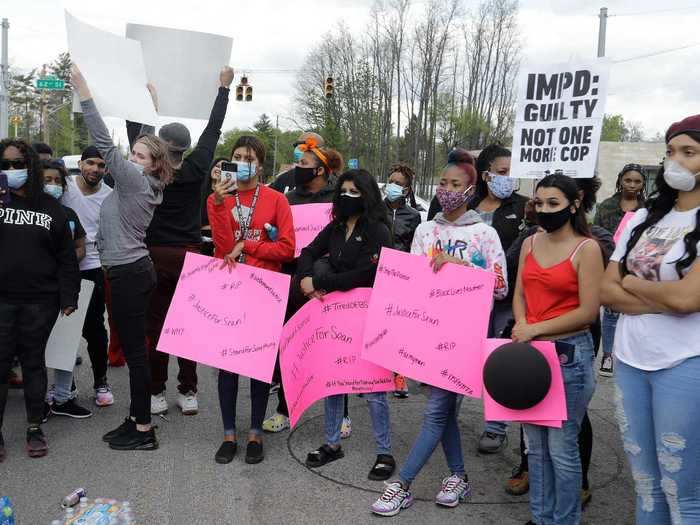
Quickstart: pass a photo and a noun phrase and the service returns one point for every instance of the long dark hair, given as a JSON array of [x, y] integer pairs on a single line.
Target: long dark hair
[[570, 189], [589, 187], [35, 180], [374, 211], [632, 167], [659, 204], [483, 163]]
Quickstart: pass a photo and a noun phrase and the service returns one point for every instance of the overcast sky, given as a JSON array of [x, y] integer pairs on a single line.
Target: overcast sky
[[653, 91]]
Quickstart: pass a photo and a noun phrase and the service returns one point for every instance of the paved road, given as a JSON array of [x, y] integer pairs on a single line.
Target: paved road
[[181, 484]]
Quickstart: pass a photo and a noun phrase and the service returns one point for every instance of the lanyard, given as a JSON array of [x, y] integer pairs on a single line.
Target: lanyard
[[244, 224]]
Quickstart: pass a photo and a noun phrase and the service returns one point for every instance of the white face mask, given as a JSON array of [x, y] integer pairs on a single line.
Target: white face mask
[[138, 166], [678, 177]]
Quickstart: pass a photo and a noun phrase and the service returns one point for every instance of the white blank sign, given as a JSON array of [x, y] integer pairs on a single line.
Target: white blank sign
[[183, 66]]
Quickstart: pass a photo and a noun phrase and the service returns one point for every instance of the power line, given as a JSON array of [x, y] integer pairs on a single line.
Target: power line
[[658, 11], [656, 53]]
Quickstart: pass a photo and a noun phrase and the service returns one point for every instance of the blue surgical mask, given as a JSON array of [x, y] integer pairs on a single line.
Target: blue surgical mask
[[502, 186], [55, 191], [245, 171], [393, 191], [138, 166], [298, 154], [16, 178]]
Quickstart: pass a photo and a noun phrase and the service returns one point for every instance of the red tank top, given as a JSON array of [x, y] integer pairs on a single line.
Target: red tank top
[[549, 292]]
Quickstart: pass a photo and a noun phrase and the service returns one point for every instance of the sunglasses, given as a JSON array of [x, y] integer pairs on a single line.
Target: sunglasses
[[13, 164]]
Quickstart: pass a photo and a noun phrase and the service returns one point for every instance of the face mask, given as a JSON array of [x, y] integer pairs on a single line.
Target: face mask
[[138, 167], [55, 191], [302, 176], [678, 177], [393, 191], [451, 200], [298, 154], [501, 186], [245, 171], [16, 178], [552, 221], [350, 205]]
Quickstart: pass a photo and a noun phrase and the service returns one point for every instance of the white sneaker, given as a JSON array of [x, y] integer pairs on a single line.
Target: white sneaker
[[346, 428], [393, 499], [159, 405], [454, 489], [104, 396], [188, 403]]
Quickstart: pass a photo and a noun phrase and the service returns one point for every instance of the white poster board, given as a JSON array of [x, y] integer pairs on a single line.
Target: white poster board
[[183, 66], [114, 70], [64, 340], [558, 119]]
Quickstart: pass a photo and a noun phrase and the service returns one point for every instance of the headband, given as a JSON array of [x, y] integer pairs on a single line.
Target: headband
[[310, 144]]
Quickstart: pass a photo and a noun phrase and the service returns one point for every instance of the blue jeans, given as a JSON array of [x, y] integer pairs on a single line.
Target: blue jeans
[[553, 455], [609, 325], [659, 419], [378, 412], [63, 380], [496, 427], [439, 425]]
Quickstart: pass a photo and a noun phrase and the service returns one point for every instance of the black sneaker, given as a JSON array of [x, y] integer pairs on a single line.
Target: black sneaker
[[37, 444], [70, 409], [125, 427], [133, 439], [226, 452], [254, 453]]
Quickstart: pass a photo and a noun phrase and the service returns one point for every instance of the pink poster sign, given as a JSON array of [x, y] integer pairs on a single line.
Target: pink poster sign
[[228, 319], [429, 326], [623, 224], [309, 220], [549, 412], [320, 352]]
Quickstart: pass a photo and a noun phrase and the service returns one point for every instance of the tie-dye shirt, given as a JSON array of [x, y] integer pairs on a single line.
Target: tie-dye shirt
[[468, 239]]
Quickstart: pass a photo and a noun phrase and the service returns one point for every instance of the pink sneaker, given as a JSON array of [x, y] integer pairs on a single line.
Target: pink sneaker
[[104, 396]]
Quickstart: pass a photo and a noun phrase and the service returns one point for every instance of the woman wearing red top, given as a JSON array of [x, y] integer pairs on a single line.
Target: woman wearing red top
[[238, 211], [556, 299]]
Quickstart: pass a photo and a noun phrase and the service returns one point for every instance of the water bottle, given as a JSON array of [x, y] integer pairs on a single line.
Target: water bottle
[[272, 232], [7, 515]]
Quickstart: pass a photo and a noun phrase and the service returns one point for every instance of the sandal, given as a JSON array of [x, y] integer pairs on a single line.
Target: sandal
[[383, 468], [323, 455]]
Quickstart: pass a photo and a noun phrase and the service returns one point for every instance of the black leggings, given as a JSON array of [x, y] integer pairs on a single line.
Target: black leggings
[[94, 330], [228, 396], [131, 286]]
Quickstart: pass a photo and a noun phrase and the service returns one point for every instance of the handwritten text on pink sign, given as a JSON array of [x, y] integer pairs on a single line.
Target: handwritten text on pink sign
[[309, 220]]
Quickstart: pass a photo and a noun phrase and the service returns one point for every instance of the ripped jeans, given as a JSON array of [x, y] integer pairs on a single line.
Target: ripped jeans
[[659, 417]]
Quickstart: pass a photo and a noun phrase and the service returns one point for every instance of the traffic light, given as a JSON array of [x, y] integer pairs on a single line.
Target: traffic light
[[328, 87], [248, 93], [239, 93]]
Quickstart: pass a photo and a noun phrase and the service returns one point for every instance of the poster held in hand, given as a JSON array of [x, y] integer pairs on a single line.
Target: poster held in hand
[[309, 220], [559, 119], [64, 341], [114, 70]]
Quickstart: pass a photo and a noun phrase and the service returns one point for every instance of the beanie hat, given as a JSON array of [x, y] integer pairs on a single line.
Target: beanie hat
[[683, 126], [91, 152], [176, 135]]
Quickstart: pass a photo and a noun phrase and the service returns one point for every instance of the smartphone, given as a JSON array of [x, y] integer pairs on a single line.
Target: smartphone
[[228, 171], [565, 352], [4, 187]]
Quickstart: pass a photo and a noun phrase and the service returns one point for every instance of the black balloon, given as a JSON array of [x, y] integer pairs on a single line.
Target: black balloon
[[517, 376]]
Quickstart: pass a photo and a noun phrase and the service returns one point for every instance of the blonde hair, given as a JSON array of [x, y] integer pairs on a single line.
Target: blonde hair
[[160, 162]]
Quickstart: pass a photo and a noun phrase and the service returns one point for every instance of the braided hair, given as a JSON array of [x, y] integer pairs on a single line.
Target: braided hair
[[408, 173], [626, 169], [660, 203]]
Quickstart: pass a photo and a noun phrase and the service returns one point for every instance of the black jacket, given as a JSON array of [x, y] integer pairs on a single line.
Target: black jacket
[[178, 220], [38, 262], [284, 182], [507, 218], [353, 262], [404, 221], [301, 196]]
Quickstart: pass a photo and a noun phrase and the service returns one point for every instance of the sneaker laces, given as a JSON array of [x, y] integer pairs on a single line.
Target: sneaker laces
[[450, 484], [391, 492]]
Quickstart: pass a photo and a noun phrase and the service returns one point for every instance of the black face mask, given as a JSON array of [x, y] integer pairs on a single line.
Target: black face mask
[[302, 176], [552, 221], [350, 206]]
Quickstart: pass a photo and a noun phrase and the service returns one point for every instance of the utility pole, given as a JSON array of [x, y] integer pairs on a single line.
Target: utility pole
[[274, 156], [603, 16], [4, 82], [44, 111]]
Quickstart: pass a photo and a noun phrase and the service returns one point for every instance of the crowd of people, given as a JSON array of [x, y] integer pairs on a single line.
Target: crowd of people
[[558, 278]]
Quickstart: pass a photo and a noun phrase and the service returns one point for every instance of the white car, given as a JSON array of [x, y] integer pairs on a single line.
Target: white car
[[71, 163]]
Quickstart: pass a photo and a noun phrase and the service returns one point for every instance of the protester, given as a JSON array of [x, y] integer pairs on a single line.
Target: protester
[[313, 179], [85, 193], [124, 217], [176, 230], [456, 224], [38, 279], [404, 220], [653, 280], [353, 242], [286, 181], [238, 211], [44, 151], [499, 206], [630, 195], [61, 397], [556, 298]]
